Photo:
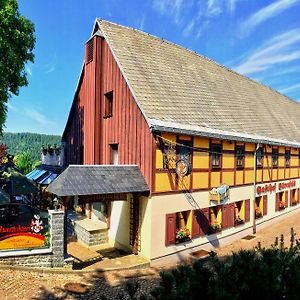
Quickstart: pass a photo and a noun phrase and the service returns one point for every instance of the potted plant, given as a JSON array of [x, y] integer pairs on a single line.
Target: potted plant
[[281, 205], [214, 227], [258, 213], [238, 221], [182, 235]]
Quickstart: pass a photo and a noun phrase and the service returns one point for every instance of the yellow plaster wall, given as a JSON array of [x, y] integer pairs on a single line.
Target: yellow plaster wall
[[228, 161], [294, 151], [287, 173], [281, 174], [200, 180], [228, 178], [281, 150], [200, 160], [159, 159], [249, 147], [274, 174], [267, 174], [249, 161], [185, 137], [162, 182], [228, 145], [281, 161], [249, 177], [184, 182], [215, 179], [259, 175], [294, 173], [239, 177], [169, 136], [145, 221], [294, 161], [201, 142]]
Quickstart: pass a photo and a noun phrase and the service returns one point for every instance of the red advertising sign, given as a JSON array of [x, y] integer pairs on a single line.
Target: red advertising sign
[[271, 187], [23, 227]]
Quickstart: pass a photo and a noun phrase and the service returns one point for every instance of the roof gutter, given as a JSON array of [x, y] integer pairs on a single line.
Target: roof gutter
[[218, 134]]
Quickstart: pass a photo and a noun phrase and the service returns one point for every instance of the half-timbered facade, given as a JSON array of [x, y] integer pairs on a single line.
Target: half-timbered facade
[[218, 151]]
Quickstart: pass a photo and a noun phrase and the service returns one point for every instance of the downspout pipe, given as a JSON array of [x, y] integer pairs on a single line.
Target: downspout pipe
[[254, 186]]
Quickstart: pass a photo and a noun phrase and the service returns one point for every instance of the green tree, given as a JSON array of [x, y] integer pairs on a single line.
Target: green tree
[[16, 45], [23, 162]]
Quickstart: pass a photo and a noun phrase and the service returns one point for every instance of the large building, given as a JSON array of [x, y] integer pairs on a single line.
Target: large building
[[218, 152]]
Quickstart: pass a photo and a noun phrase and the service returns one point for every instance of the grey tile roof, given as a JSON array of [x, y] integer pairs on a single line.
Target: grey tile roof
[[177, 89], [98, 179]]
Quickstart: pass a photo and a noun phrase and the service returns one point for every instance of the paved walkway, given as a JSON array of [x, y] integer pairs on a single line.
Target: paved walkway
[[19, 285]]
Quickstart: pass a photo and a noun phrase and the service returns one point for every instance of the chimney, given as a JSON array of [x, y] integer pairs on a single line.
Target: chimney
[[51, 156]]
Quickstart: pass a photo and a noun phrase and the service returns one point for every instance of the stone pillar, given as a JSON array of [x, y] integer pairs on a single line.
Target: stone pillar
[[57, 236]]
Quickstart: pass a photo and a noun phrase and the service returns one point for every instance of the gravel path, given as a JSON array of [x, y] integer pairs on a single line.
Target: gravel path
[[19, 285]]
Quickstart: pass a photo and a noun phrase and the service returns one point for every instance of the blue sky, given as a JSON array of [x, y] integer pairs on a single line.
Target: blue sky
[[258, 38]]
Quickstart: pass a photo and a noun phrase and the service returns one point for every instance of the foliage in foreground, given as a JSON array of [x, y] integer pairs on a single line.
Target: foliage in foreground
[[261, 273], [16, 49]]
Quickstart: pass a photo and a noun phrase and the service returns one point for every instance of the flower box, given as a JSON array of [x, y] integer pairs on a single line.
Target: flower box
[[183, 235], [214, 228]]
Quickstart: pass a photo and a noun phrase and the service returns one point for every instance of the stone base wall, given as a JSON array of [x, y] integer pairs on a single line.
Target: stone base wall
[[38, 260], [42, 258], [91, 238]]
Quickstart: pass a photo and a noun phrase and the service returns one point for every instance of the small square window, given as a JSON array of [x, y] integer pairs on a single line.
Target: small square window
[[216, 156], [108, 107], [259, 157], [287, 158], [114, 157], [240, 156], [275, 157]]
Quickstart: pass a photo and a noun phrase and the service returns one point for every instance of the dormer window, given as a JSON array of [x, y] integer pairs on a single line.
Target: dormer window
[[108, 105]]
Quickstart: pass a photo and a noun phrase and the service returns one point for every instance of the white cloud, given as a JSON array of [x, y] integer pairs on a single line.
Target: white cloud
[[28, 70], [142, 23], [287, 71], [266, 13], [11, 107], [38, 117], [193, 16], [290, 88], [279, 49], [49, 68], [189, 28], [169, 7]]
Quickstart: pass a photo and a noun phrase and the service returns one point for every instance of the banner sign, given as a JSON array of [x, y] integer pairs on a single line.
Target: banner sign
[[273, 187], [23, 227]]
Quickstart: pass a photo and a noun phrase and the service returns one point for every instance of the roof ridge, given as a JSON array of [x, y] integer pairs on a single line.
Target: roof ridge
[[198, 55]]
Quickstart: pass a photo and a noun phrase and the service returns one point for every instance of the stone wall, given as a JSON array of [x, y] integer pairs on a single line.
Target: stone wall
[[91, 237], [43, 258]]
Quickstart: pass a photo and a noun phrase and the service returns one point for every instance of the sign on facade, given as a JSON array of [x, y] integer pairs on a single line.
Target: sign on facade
[[23, 227]]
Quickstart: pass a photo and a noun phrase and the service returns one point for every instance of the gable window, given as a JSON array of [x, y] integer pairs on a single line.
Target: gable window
[[114, 158], [275, 157], [240, 156], [287, 158], [89, 50], [216, 156], [108, 105], [259, 157]]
